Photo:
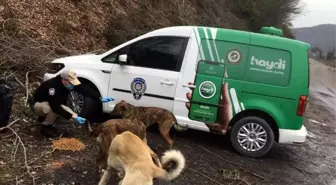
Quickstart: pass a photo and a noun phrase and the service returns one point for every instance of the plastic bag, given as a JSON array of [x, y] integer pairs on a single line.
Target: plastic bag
[[6, 101]]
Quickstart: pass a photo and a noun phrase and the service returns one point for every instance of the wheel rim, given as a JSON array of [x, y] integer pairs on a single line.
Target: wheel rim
[[75, 102], [252, 137]]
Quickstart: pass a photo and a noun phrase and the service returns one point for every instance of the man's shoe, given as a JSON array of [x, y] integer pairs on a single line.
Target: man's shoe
[[51, 131]]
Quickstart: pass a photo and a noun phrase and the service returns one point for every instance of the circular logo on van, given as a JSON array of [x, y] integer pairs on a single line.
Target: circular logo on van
[[207, 89], [234, 56]]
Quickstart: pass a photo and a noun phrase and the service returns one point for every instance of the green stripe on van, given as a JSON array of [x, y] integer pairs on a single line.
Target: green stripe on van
[[213, 46], [200, 48], [207, 37], [204, 44]]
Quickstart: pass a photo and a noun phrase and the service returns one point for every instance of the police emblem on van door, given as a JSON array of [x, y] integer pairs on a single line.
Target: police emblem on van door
[[234, 56], [138, 88]]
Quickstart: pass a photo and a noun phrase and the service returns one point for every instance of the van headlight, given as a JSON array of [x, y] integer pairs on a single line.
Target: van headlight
[[54, 67]]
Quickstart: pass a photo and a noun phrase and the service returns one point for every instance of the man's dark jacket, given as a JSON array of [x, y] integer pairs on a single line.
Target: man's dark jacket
[[56, 94]]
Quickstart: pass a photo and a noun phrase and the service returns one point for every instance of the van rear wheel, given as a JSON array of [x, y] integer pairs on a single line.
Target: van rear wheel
[[252, 136]]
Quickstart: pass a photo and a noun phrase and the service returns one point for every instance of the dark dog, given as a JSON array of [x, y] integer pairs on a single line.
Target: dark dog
[[107, 131], [148, 115]]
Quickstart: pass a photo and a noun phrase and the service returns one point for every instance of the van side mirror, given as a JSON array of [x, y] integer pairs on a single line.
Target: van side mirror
[[122, 58]]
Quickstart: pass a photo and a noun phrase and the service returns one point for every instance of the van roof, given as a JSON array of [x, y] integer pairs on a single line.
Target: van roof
[[214, 31]]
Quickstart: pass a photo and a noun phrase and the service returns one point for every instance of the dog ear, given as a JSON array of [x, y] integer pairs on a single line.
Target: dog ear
[[124, 102], [123, 107]]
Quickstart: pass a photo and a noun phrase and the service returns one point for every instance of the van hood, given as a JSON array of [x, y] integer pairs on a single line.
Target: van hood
[[84, 59]]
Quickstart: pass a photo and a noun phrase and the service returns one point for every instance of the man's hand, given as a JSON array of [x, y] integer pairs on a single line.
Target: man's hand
[[106, 99], [74, 116], [80, 120]]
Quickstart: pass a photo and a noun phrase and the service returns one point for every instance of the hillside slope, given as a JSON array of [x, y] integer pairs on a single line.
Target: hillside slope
[[84, 26], [36, 31], [320, 36]]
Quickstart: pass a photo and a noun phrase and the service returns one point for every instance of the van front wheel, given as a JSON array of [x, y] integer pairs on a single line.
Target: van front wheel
[[252, 136], [84, 106]]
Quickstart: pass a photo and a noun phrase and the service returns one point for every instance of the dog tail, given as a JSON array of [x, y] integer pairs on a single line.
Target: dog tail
[[173, 163]]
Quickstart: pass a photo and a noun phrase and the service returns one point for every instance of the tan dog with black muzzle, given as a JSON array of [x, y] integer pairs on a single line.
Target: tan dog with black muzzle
[[108, 130], [131, 157], [148, 115]]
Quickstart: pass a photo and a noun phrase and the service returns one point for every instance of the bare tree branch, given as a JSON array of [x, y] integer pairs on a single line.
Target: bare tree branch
[[22, 144]]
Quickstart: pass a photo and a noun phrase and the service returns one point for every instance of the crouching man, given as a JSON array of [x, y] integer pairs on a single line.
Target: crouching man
[[50, 99]]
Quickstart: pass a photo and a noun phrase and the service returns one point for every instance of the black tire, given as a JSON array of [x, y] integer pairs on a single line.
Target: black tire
[[90, 108], [257, 121]]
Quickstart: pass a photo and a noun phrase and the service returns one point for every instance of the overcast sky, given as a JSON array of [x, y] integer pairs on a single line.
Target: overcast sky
[[316, 12]]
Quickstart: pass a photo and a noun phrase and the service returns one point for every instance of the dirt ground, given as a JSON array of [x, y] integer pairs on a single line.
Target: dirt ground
[[210, 158]]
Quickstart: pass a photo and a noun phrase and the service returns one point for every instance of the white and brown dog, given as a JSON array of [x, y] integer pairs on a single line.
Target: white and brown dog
[[129, 155], [108, 130]]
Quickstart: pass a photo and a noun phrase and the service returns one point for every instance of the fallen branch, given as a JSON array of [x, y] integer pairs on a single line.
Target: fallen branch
[[66, 49], [14, 150], [205, 176], [246, 181], [27, 88], [256, 175], [25, 155], [19, 81], [47, 153], [4, 137], [10, 124], [22, 144]]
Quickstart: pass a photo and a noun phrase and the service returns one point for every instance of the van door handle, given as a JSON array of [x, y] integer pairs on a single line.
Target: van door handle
[[190, 86], [167, 82], [106, 71]]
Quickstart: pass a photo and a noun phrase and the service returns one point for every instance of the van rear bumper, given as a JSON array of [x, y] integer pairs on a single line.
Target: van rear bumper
[[288, 136]]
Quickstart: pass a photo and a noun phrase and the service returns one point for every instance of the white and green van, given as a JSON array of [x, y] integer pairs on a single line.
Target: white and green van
[[267, 77]]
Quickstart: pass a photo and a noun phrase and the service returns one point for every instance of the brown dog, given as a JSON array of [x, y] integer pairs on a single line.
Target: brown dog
[[148, 115], [129, 155], [108, 130]]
